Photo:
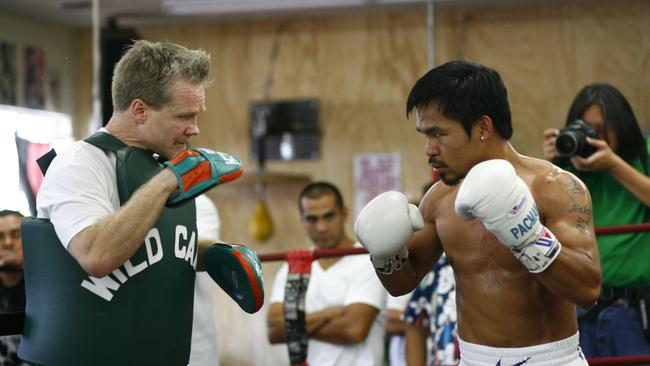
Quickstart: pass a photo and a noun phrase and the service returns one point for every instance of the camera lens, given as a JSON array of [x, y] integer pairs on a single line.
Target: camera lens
[[567, 143]]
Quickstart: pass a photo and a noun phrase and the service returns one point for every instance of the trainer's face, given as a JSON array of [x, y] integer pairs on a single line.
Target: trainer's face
[[448, 146], [168, 130], [594, 117], [323, 221]]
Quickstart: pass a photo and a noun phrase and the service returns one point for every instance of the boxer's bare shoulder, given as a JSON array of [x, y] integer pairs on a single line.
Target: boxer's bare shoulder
[[435, 199], [550, 184], [559, 194]]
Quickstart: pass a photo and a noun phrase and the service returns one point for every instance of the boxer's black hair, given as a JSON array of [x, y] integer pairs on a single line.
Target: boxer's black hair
[[618, 116], [320, 189], [464, 91], [4, 213]]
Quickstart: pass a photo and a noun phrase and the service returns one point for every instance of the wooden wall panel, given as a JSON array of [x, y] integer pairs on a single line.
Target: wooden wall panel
[[83, 90], [546, 54], [361, 67]]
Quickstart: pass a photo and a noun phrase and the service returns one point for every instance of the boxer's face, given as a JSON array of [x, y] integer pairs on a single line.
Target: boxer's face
[[594, 117], [168, 130], [447, 144], [323, 221]]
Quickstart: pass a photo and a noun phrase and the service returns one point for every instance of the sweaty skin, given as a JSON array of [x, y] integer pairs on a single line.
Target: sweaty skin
[[500, 303]]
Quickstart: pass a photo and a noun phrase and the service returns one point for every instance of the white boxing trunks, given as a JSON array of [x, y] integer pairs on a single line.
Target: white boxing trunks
[[565, 352]]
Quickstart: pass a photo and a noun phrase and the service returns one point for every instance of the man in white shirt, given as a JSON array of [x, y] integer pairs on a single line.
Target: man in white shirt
[[204, 332], [395, 328], [345, 301]]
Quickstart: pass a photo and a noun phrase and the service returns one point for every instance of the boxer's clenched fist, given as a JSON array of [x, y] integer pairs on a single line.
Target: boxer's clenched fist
[[384, 226], [493, 193]]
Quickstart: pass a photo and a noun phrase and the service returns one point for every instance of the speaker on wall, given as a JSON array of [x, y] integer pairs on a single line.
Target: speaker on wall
[[114, 41]]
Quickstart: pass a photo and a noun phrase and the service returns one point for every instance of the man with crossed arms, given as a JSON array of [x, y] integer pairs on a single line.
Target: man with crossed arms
[[344, 301]]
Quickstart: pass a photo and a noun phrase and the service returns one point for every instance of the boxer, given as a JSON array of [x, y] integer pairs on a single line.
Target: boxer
[[517, 231]]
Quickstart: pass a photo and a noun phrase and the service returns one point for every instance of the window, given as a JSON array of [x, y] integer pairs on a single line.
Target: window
[[37, 130]]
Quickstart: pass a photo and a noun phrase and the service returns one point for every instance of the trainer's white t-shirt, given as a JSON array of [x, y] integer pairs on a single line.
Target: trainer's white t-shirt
[[350, 280], [79, 189]]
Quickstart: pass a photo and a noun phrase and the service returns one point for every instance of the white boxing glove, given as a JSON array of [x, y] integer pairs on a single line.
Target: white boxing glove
[[493, 193], [384, 226]]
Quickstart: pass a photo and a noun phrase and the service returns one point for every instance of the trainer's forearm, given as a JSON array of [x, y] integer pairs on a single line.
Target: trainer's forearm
[[107, 244], [203, 245]]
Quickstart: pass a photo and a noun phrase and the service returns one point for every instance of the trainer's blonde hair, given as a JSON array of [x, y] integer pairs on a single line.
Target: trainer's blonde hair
[[146, 70]]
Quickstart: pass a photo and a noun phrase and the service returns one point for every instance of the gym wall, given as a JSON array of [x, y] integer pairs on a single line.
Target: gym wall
[[61, 64], [361, 67]]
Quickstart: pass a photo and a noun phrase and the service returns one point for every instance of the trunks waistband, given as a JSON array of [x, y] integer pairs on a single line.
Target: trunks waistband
[[555, 353]]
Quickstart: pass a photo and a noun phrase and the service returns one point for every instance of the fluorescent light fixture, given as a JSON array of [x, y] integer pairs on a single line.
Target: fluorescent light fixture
[[206, 7]]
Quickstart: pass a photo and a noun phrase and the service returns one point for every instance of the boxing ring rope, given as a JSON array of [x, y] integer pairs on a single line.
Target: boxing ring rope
[[339, 252], [616, 361], [622, 229], [316, 253], [11, 323], [308, 256]]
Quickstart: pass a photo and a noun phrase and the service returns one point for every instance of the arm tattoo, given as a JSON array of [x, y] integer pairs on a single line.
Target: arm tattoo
[[582, 226], [582, 210], [575, 192], [573, 189]]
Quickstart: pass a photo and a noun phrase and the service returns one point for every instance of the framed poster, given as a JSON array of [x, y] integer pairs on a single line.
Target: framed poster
[[375, 174], [34, 63], [8, 75]]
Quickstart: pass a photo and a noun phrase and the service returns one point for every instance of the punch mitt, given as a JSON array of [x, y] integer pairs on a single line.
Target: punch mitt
[[238, 271], [198, 170]]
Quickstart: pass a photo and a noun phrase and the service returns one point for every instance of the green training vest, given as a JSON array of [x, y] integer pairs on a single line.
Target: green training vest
[[141, 314]]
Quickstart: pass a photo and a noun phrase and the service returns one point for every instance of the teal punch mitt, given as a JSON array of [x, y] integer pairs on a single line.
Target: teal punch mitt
[[198, 170], [238, 271]]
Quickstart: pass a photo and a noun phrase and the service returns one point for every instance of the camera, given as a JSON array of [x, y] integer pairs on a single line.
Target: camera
[[572, 140]]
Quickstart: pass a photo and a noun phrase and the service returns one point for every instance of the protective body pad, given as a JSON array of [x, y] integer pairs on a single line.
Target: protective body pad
[[238, 271], [198, 170]]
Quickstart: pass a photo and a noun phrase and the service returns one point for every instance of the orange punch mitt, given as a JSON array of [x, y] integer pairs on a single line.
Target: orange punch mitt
[[198, 170]]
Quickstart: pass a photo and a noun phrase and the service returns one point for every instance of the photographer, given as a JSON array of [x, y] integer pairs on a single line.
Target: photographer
[[614, 166]]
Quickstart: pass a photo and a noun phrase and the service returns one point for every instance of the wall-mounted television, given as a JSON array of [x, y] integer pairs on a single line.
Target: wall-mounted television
[[285, 129]]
